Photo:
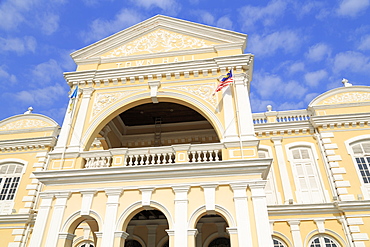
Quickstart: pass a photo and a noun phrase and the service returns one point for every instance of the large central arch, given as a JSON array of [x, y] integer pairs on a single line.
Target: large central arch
[[119, 107]]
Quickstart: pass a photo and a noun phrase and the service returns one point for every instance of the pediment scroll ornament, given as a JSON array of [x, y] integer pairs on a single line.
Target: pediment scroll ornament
[[103, 100], [158, 41], [203, 91], [347, 98], [25, 124]]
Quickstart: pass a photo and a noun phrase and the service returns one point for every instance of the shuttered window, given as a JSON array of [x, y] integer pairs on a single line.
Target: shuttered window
[[306, 176], [361, 152], [10, 175]]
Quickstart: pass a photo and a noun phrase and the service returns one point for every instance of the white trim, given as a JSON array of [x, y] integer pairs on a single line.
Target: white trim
[[223, 212], [328, 233], [312, 147], [365, 188], [74, 216], [282, 237]]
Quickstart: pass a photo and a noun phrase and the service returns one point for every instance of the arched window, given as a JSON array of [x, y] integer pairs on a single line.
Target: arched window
[[361, 153], [307, 179], [323, 241], [10, 175], [278, 243]]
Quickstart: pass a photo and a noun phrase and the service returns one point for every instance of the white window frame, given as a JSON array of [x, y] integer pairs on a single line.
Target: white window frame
[[276, 197], [324, 195], [6, 206], [321, 240], [280, 241], [365, 187]]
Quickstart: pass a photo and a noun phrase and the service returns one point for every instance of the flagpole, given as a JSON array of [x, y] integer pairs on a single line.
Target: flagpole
[[74, 102], [237, 116]]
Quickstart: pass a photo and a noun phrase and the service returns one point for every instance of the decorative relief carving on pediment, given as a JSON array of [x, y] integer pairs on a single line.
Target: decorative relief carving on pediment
[[25, 124], [347, 98], [103, 100], [204, 91], [158, 41]]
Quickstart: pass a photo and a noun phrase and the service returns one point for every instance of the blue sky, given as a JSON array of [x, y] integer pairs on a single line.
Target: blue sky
[[302, 48]]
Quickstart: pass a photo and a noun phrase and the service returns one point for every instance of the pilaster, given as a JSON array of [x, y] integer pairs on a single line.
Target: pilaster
[[242, 214], [181, 209], [296, 232]]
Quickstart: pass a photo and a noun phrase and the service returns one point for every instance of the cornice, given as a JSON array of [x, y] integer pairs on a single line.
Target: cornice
[[156, 172], [234, 61], [16, 218], [302, 209], [340, 119], [19, 144], [285, 127]]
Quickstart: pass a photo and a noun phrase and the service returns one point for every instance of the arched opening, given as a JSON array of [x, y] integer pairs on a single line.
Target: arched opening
[[212, 232], [152, 125], [84, 231], [147, 228]]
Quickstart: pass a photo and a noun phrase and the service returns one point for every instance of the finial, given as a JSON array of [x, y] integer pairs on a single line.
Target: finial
[[346, 83], [30, 109], [269, 107]]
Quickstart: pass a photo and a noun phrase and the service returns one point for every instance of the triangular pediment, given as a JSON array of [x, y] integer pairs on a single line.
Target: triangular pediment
[[159, 41], [160, 34]]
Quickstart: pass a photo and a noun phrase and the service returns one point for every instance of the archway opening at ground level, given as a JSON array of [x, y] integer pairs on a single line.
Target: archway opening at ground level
[[83, 231], [153, 125], [147, 228], [212, 232]]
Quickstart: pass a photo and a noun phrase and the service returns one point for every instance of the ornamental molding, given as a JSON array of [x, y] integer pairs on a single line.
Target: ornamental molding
[[347, 98], [25, 124], [203, 91], [156, 42], [103, 100]]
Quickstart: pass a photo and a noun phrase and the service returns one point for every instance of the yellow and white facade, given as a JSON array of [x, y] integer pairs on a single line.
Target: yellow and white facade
[[148, 156]]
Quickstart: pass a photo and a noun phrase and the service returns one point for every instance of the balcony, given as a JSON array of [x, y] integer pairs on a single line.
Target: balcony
[[148, 156]]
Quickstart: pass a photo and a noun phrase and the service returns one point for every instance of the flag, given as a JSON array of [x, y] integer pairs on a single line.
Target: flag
[[225, 81], [73, 96]]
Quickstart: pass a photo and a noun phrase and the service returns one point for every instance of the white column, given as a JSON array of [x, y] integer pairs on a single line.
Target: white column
[[210, 197], [152, 235], [57, 217], [296, 233], [231, 133], [110, 215], [242, 214], [120, 238], [261, 214], [245, 118], [181, 215], [287, 190], [41, 219], [81, 115]]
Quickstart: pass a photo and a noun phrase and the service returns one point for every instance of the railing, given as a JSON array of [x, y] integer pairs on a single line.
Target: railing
[[149, 156], [281, 116], [292, 116], [195, 153]]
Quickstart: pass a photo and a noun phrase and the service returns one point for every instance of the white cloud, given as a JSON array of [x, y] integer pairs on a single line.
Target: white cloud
[[16, 12], [351, 61], [266, 84], [296, 67], [224, 22], [40, 96], [6, 76], [206, 17], [314, 78], [250, 15], [365, 43], [291, 89], [49, 23], [43, 73], [287, 41], [19, 45], [352, 8], [170, 6], [318, 52], [101, 28]]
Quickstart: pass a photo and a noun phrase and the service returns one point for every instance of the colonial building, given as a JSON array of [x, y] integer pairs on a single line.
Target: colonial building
[[149, 156]]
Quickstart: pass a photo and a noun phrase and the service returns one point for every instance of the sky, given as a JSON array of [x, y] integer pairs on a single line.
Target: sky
[[302, 48]]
